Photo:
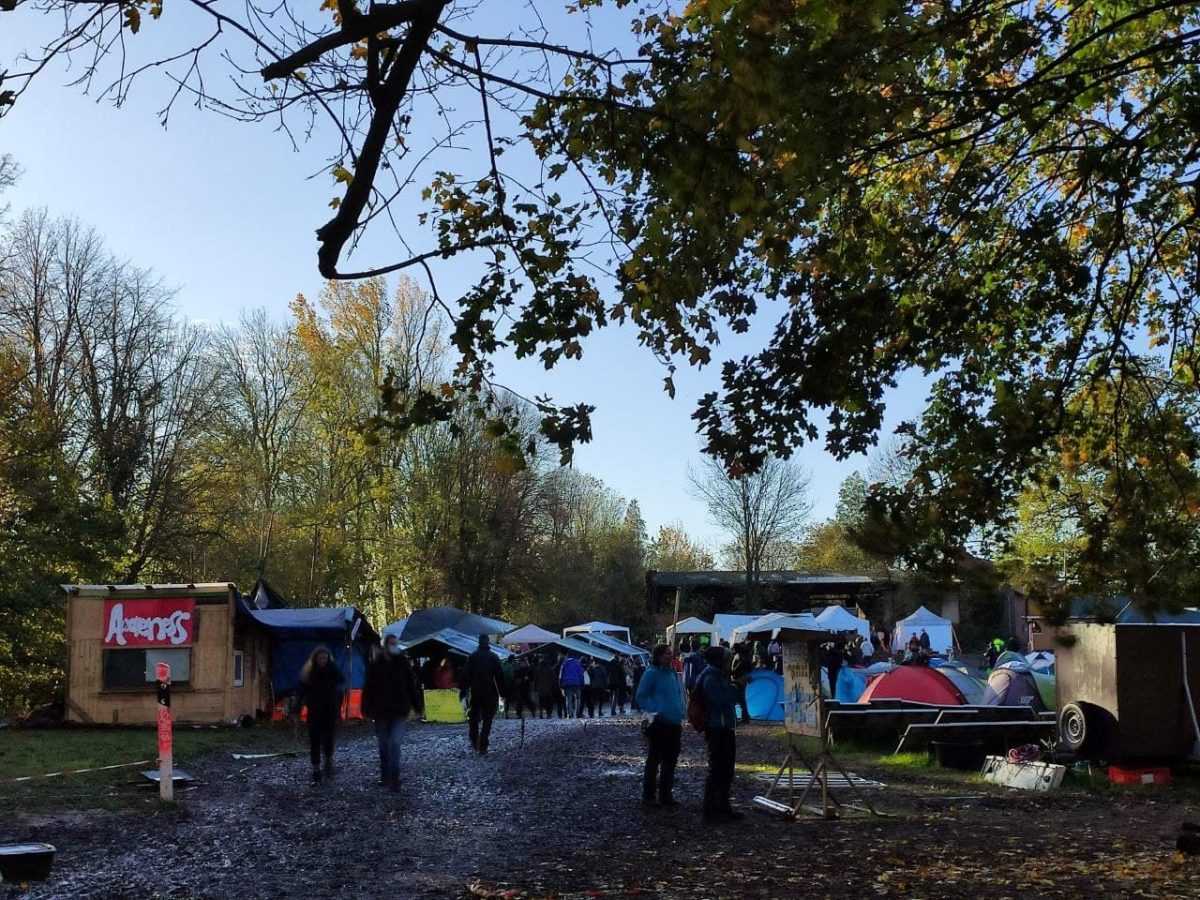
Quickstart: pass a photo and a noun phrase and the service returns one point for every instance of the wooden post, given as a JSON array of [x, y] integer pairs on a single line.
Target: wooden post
[[166, 787], [675, 625]]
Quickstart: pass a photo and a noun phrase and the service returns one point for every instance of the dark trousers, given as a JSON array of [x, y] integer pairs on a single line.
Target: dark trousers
[[661, 757], [722, 750], [741, 689], [479, 724], [522, 700], [546, 702], [320, 739]]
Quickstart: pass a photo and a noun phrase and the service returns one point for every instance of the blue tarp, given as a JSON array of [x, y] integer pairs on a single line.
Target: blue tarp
[[295, 633], [850, 684], [764, 695], [455, 640], [608, 642]]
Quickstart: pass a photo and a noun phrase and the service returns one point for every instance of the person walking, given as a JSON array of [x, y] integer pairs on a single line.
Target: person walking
[[523, 689], [545, 684], [389, 694], [597, 681], [743, 663], [720, 696], [482, 686], [693, 665], [659, 694], [321, 691], [570, 679]]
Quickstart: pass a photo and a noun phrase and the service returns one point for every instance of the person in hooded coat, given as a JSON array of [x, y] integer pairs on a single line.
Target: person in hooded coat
[[321, 691], [481, 686]]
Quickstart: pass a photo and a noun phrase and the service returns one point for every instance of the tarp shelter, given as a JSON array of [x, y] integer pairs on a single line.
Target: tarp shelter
[[424, 622], [579, 648], [598, 628], [612, 645], [838, 618], [725, 623], [295, 633], [530, 634], [691, 625], [1013, 685], [940, 631], [917, 684], [454, 641]]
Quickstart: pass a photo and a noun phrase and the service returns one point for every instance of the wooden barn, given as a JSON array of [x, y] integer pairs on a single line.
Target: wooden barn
[[116, 634]]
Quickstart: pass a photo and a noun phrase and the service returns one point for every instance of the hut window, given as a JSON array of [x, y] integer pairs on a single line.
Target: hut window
[[239, 668], [135, 668]]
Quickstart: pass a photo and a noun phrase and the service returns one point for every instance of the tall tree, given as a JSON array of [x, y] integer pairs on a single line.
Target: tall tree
[[674, 550], [763, 512]]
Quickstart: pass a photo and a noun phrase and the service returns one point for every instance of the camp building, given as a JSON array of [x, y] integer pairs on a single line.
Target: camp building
[[117, 634]]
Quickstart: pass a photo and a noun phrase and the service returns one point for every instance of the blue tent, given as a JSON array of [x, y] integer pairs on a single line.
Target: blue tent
[[295, 633], [764, 695], [850, 684]]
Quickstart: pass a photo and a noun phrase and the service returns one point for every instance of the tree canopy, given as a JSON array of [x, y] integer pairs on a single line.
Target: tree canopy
[[999, 194]]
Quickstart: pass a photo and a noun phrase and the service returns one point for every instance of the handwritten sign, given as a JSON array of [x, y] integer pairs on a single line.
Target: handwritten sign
[[166, 789], [801, 684], [149, 623]]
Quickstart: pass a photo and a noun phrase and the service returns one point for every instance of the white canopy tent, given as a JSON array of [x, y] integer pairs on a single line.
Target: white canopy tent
[[599, 628], [838, 618], [691, 625], [530, 634], [725, 623], [941, 631]]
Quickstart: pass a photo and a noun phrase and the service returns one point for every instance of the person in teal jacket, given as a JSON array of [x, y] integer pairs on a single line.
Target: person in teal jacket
[[720, 695], [659, 694]]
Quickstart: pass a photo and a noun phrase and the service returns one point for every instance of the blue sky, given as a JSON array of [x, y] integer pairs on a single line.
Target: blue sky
[[226, 213]]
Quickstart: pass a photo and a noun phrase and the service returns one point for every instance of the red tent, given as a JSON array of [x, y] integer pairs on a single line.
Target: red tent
[[920, 684]]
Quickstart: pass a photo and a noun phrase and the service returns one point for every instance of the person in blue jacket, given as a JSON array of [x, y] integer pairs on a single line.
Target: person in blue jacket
[[659, 694], [720, 696]]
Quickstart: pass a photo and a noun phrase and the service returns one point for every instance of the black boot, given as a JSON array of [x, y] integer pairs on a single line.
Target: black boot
[[327, 770], [316, 775]]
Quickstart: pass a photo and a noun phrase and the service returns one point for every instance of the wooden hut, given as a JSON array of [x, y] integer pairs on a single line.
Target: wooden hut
[[219, 657]]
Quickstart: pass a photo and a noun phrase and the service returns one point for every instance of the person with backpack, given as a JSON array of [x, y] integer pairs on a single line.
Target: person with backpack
[[658, 694], [713, 706]]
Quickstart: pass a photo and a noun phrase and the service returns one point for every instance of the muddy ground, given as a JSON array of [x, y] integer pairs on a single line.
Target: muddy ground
[[560, 818]]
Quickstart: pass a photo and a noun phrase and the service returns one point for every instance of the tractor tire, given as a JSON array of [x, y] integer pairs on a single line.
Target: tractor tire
[[1085, 729]]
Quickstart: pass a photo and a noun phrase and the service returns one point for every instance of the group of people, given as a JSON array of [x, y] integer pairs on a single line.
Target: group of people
[[392, 693]]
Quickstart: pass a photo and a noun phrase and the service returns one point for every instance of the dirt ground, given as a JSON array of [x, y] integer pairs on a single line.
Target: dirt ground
[[560, 818]]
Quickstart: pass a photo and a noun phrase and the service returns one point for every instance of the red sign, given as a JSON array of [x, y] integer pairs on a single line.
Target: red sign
[[149, 623]]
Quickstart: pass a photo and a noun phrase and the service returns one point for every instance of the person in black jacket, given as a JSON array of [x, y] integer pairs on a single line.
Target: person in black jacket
[[481, 685], [390, 693], [321, 691]]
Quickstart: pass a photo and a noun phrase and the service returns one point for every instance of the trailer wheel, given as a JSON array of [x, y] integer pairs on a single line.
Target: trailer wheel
[[1085, 729]]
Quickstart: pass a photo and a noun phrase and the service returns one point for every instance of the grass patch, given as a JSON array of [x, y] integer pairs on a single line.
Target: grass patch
[[39, 751]]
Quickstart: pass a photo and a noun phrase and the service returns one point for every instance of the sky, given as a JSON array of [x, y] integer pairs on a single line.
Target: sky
[[226, 213]]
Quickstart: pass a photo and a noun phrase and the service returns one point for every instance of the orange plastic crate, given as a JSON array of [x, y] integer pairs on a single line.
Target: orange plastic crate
[[1139, 775]]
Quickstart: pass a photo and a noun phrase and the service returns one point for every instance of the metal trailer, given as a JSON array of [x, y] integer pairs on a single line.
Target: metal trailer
[[1129, 692]]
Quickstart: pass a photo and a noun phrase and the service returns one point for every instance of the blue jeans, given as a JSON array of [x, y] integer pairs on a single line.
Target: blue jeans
[[571, 692], [389, 733]]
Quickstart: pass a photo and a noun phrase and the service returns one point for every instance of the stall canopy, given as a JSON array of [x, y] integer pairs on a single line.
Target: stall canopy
[[838, 618], [530, 634], [598, 628], [425, 622], [612, 644], [578, 647], [774, 625], [693, 626], [940, 631], [295, 633], [454, 641], [725, 623]]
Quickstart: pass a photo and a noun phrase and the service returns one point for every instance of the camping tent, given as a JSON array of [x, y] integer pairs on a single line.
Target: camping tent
[[764, 695], [598, 628], [725, 623], [690, 626], [917, 684], [530, 634], [838, 618], [1013, 685], [940, 631], [970, 687]]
